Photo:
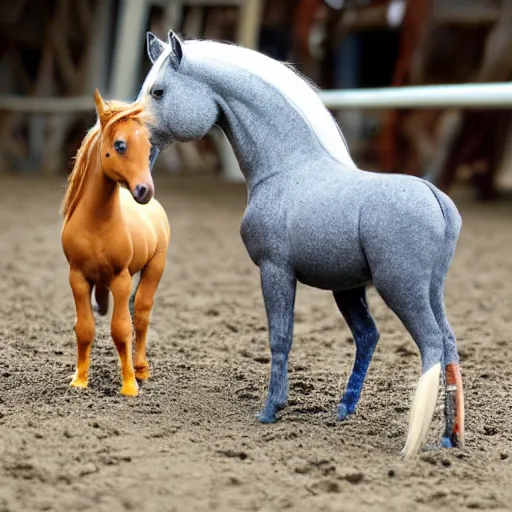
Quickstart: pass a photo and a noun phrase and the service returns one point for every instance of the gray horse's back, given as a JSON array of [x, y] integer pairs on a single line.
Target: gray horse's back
[[346, 226]]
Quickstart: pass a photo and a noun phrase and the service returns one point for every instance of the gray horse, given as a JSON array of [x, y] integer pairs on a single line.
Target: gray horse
[[313, 216]]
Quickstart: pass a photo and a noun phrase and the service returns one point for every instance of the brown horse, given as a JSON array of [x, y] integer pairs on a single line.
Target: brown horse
[[111, 233]]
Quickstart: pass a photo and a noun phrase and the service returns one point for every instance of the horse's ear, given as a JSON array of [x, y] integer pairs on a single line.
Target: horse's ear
[[177, 50], [155, 47], [100, 106]]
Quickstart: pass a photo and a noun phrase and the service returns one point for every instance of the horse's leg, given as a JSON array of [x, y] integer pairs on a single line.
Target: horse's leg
[[409, 297], [278, 285], [122, 330], [354, 308], [149, 280], [453, 436], [454, 395], [84, 326]]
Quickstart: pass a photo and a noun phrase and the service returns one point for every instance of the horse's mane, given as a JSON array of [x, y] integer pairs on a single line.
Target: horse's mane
[[297, 89], [87, 157]]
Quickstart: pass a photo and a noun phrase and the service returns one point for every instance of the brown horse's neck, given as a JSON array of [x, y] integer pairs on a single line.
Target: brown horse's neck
[[100, 202]]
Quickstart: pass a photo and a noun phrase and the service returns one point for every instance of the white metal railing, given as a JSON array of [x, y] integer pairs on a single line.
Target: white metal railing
[[493, 95]]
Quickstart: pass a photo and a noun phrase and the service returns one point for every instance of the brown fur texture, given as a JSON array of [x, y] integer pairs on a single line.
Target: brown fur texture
[[110, 234]]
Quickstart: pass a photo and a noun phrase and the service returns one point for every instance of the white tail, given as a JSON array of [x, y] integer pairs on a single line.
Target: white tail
[[422, 410]]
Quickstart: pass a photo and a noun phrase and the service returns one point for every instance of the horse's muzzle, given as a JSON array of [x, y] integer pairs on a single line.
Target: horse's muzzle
[[143, 193]]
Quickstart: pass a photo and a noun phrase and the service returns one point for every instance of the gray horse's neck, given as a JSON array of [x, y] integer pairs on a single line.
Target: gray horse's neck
[[267, 134]]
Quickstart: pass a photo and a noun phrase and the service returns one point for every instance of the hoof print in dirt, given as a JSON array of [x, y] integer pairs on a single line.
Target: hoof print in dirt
[[325, 486], [233, 454]]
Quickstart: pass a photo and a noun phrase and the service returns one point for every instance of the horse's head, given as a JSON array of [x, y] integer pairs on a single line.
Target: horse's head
[[183, 107], [125, 147]]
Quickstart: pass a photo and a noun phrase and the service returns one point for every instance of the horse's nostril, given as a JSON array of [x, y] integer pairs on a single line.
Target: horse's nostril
[[140, 191], [143, 193]]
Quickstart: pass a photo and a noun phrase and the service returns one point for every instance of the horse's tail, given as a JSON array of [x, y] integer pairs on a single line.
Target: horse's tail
[[101, 302], [422, 410]]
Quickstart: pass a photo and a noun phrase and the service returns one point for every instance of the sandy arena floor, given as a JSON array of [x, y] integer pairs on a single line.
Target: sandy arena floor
[[190, 441]]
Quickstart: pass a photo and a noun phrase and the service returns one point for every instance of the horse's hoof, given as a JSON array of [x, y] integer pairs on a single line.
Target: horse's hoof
[[130, 389], [266, 417], [343, 412], [142, 373], [452, 441], [78, 382], [446, 442]]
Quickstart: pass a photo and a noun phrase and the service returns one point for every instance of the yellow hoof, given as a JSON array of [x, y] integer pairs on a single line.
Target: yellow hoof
[[78, 382], [142, 373], [130, 389]]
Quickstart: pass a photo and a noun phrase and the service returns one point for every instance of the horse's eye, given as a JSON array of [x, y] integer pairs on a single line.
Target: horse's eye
[[158, 93], [120, 146]]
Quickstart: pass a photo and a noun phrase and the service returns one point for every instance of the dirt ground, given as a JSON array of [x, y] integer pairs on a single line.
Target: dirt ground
[[190, 441]]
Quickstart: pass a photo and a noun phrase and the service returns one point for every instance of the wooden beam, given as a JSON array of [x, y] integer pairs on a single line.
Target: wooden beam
[[364, 18], [202, 3], [97, 74], [466, 15], [128, 48], [249, 24], [35, 105]]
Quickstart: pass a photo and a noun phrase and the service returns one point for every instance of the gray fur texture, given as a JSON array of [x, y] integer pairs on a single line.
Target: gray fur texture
[[312, 219]]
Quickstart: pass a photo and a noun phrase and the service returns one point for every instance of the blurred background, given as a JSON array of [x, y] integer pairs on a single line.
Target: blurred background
[[191, 441], [53, 53]]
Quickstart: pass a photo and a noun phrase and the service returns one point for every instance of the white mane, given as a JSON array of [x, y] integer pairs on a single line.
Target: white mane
[[296, 90], [153, 72]]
